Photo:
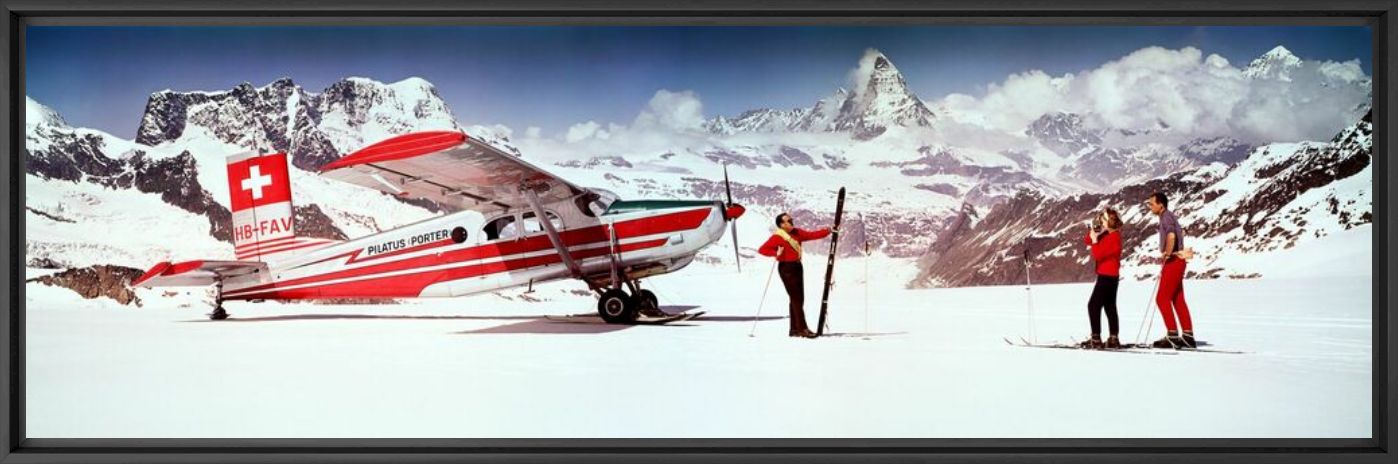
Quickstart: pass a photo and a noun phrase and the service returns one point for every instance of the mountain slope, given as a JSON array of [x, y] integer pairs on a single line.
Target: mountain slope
[[1279, 196]]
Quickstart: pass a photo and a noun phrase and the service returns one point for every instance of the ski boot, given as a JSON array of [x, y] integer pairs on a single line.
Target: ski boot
[[1171, 340], [1187, 339], [1113, 343], [1092, 343]]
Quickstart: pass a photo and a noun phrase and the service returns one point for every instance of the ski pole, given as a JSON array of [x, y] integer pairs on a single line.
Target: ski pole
[[764, 294], [1029, 293], [1149, 314], [866, 285]]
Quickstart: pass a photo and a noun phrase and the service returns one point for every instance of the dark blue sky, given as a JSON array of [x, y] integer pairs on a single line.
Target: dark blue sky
[[552, 77]]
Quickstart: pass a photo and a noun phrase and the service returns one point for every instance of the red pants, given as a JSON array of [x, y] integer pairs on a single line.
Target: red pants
[[1172, 294]]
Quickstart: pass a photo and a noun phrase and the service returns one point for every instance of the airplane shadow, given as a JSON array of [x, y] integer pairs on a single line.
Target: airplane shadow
[[529, 324], [312, 317], [545, 326]]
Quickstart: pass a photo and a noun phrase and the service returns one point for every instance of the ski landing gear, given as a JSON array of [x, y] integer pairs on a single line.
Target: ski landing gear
[[219, 313], [618, 307]]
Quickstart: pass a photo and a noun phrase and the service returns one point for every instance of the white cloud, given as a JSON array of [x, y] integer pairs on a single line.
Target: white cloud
[[533, 132], [672, 110], [1193, 95], [584, 131]]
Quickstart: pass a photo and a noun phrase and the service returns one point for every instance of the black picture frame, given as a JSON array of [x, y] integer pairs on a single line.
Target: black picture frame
[[15, 447]]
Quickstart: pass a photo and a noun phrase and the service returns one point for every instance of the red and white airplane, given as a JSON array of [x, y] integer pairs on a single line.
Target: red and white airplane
[[587, 234]]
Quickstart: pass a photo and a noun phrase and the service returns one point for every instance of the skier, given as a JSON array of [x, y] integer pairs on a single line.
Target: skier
[[1171, 293], [1104, 240], [787, 239]]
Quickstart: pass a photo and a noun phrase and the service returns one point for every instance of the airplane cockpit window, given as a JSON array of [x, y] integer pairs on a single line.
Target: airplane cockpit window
[[532, 225], [503, 227], [595, 201]]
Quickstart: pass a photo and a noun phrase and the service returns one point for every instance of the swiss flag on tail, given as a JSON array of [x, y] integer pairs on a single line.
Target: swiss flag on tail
[[258, 180], [259, 189]]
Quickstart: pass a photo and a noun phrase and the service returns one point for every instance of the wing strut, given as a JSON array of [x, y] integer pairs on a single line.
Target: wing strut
[[552, 233]]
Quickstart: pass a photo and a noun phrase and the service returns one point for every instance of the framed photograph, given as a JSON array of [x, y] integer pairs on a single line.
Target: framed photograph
[[630, 231]]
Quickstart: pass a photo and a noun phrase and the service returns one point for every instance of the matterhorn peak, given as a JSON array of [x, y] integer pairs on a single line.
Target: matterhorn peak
[[880, 99], [875, 69]]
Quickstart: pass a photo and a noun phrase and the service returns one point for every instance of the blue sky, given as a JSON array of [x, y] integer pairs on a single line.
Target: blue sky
[[552, 76]]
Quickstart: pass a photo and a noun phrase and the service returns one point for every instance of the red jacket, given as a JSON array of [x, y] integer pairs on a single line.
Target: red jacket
[[788, 254], [1107, 253]]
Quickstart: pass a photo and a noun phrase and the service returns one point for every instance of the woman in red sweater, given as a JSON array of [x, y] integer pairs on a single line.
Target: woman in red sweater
[[1106, 253]]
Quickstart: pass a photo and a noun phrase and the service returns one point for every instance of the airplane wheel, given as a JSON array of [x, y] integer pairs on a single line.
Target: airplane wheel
[[218, 314], [616, 307], [647, 303]]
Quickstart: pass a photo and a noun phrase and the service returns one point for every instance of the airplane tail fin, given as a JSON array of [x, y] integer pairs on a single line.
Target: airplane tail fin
[[264, 221]]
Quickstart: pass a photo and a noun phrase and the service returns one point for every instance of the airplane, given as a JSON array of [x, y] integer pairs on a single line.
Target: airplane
[[585, 234]]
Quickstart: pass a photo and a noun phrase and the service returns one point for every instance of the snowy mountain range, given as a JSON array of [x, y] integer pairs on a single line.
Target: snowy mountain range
[[881, 100], [914, 193], [1278, 196], [1087, 162]]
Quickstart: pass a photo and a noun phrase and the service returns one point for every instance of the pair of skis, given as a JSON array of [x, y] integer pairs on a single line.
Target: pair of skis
[[593, 318], [1126, 348]]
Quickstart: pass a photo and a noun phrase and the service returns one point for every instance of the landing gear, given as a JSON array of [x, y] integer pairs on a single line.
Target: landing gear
[[647, 304], [616, 307], [219, 313]]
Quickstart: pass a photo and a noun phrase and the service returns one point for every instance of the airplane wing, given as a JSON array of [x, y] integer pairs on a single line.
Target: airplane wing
[[452, 169], [195, 273]]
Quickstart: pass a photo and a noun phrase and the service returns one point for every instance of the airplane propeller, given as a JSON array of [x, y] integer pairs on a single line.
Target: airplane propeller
[[731, 213]]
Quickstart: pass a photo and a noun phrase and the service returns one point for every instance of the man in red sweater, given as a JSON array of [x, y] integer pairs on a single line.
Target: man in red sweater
[[1171, 293], [785, 245]]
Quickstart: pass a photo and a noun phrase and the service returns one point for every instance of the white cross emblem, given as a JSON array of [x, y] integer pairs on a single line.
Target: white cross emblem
[[256, 181]]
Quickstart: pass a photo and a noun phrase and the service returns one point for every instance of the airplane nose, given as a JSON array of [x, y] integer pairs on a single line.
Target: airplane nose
[[734, 211]]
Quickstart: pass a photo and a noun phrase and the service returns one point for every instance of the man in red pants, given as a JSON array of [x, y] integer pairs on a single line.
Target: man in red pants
[[785, 245], [1171, 292]]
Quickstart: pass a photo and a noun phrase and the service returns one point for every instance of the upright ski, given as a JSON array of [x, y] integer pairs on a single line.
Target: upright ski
[[830, 264]]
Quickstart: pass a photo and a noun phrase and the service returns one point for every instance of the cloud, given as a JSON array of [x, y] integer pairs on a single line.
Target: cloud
[[586, 130], [671, 120], [672, 110], [859, 76], [1191, 94]]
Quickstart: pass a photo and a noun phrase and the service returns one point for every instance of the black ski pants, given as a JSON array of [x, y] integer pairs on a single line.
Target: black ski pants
[[1103, 297], [793, 280]]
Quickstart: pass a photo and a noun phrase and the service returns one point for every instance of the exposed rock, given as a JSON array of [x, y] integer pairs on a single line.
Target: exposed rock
[[312, 222], [97, 281], [944, 189]]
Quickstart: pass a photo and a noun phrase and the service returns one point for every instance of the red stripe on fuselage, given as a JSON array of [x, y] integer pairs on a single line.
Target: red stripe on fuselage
[[279, 249], [263, 243], [411, 285], [672, 222]]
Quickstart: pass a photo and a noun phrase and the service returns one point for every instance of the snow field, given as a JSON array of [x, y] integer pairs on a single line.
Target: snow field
[[933, 364]]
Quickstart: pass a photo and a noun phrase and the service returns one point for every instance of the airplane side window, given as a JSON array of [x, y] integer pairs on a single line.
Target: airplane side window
[[586, 205], [504, 227], [595, 202], [532, 224]]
